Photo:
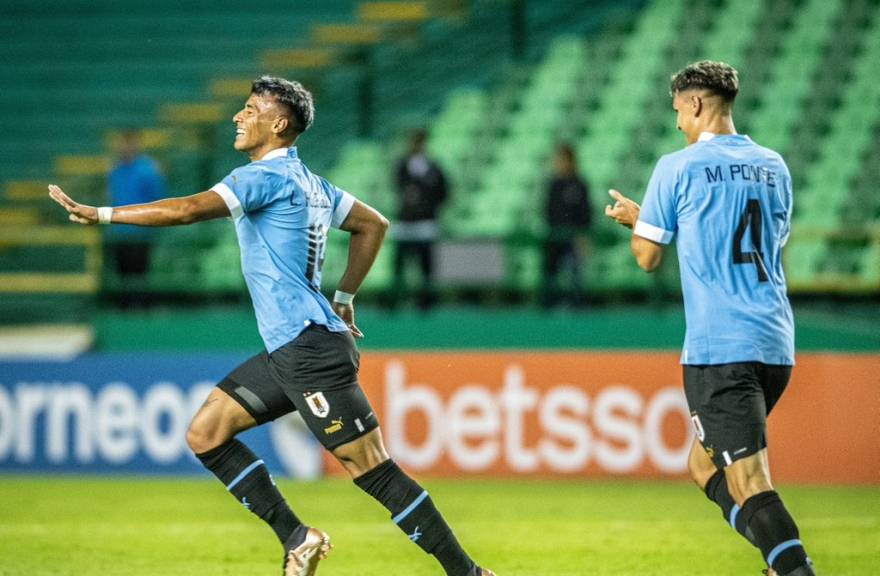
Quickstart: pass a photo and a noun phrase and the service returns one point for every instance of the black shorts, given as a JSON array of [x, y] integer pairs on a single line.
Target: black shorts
[[729, 404], [315, 374]]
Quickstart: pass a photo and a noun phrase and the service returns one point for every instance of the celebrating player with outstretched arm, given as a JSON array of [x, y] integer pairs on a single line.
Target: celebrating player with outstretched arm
[[729, 202], [282, 213]]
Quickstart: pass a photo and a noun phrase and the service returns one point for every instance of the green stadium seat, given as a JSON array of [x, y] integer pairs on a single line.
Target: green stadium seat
[[803, 261], [870, 265], [523, 266]]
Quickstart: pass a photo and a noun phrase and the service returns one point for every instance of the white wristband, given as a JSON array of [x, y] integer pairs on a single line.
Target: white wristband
[[105, 213], [343, 298]]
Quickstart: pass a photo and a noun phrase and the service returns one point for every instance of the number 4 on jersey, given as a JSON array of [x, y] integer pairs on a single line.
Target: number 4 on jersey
[[751, 220]]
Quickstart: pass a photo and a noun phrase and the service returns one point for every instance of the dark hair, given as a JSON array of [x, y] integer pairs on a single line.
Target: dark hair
[[297, 99], [719, 78]]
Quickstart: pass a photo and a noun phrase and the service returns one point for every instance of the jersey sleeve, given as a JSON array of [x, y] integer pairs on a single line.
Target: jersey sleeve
[[658, 220], [342, 203], [246, 189]]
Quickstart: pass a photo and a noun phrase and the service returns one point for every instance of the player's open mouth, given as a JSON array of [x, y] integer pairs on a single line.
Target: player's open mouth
[[239, 132]]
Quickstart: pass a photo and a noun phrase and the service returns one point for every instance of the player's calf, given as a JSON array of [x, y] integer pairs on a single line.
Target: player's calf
[[414, 512], [776, 534], [765, 516], [716, 490], [246, 477], [366, 459]]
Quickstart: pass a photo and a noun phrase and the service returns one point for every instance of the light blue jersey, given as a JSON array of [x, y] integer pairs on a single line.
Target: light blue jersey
[[282, 213], [729, 202]]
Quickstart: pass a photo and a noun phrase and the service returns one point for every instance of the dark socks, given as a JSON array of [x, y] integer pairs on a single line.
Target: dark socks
[[776, 534], [246, 477], [413, 511], [717, 492]]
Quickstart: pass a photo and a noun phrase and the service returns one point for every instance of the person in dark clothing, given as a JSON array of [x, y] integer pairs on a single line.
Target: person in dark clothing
[[421, 191], [568, 215]]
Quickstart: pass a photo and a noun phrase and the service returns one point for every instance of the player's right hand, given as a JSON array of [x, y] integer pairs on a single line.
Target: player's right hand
[[346, 312], [624, 211], [79, 213]]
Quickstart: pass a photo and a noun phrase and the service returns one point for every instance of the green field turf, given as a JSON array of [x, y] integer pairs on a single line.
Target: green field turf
[[189, 527]]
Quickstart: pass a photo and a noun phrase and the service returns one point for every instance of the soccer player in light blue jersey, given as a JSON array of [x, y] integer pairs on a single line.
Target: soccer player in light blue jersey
[[282, 213], [728, 202]]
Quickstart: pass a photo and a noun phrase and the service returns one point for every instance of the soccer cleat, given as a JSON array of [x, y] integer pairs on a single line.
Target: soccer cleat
[[483, 572], [303, 560]]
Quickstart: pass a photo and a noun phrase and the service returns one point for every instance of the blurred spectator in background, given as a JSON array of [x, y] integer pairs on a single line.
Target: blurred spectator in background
[[134, 179], [421, 190], [568, 215]]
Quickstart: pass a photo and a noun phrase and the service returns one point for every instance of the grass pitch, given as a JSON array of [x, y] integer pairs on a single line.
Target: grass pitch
[[192, 527]]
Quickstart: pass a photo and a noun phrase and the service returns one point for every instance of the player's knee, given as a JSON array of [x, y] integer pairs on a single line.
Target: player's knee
[[700, 474], [737, 489], [201, 438], [353, 465], [196, 439], [363, 454], [359, 468], [359, 464], [745, 484]]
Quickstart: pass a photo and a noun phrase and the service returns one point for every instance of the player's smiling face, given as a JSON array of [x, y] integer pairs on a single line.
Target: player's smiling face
[[253, 125]]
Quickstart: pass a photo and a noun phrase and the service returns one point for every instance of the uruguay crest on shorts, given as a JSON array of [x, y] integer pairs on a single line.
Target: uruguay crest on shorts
[[318, 404]]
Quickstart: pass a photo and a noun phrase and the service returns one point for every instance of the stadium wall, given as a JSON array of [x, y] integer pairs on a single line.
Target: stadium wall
[[124, 413], [450, 413]]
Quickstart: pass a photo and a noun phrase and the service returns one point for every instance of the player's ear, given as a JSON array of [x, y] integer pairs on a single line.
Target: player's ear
[[696, 105], [280, 124]]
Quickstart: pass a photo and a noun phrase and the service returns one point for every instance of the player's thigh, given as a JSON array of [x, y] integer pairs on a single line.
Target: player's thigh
[[700, 465], [318, 372], [728, 410], [247, 397], [774, 381]]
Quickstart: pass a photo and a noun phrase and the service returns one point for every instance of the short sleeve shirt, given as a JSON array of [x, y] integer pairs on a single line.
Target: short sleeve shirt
[[728, 201], [282, 214]]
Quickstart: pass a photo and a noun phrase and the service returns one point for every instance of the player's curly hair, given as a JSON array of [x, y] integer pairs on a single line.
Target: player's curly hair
[[297, 99], [717, 77]]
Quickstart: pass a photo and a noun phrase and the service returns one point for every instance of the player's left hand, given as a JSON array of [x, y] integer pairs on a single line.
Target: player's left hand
[[624, 211], [346, 312], [79, 213]]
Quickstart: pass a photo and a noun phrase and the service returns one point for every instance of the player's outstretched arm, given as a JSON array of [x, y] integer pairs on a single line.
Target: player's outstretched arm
[[626, 212], [168, 212], [367, 228]]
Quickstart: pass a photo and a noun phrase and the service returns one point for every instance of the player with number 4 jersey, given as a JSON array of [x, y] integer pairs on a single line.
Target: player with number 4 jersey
[[727, 201]]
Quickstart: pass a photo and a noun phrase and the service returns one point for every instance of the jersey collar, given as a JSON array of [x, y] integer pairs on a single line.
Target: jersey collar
[[276, 153], [706, 136]]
